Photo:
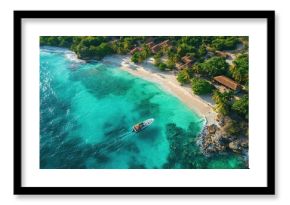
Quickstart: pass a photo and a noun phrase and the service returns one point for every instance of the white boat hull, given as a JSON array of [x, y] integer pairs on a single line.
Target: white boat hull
[[145, 124]]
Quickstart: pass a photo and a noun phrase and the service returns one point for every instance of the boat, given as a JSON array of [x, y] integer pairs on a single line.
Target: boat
[[142, 125]]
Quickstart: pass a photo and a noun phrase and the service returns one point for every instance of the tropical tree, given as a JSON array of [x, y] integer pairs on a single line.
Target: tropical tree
[[145, 52], [201, 86], [157, 60], [170, 64], [135, 57], [223, 101], [162, 66], [214, 66], [225, 42], [196, 68], [241, 106], [183, 76], [202, 51], [240, 68]]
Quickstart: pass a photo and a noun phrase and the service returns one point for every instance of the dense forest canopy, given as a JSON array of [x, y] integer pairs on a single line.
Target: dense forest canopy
[[96, 47]]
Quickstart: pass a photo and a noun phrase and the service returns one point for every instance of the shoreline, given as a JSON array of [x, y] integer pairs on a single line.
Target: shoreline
[[167, 80]]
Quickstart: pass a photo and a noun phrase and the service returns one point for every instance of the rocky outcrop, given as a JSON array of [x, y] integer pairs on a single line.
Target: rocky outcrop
[[213, 139], [238, 145]]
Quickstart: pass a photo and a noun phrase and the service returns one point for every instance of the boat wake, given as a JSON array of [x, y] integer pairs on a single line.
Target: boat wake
[[115, 144]]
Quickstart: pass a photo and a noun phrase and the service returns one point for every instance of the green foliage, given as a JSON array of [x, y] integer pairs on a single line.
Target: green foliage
[[196, 68], [223, 101], [96, 47], [225, 42], [173, 57], [194, 41], [139, 56], [201, 86], [157, 61], [214, 66], [183, 76], [117, 47], [61, 41], [202, 51], [241, 106], [162, 66], [157, 58], [95, 51], [183, 48], [170, 64], [135, 57], [240, 69], [145, 52]]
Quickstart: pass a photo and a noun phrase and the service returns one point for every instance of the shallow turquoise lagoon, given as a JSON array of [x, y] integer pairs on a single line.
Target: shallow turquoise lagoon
[[87, 111]]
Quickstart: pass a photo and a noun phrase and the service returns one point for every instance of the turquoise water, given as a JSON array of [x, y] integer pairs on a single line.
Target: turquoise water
[[87, 111]]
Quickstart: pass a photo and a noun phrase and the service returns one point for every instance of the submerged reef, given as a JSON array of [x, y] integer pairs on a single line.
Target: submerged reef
[[189, 151]]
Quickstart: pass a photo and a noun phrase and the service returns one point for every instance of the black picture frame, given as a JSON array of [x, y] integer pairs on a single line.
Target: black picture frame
[[19, 189]]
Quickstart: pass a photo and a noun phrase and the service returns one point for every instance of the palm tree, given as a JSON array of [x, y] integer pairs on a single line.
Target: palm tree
[[222, 101]]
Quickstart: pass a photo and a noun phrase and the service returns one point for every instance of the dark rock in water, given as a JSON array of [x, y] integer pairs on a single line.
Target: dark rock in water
[[235, 146], [238, 145], [212, 128], [214, 139]]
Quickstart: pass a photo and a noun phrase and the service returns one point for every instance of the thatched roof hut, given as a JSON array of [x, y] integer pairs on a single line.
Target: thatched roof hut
[[229, 83]]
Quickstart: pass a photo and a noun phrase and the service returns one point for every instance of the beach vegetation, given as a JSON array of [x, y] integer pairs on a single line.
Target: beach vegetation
[[223, 101], [145, 52], [201, 86], [241, 106], [240, 68], [135, 57], [157, 59], [162, 66], [214, 66], [225, 42], [170, 63], [196, 68], [202, 51], [97, 51], [183, 76]]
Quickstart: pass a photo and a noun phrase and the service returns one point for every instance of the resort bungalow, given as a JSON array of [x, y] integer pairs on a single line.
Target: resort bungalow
[[134, 50], [157, 47], [187, 62], [227, 82], [187, 59], [150, 44], [182, 66]]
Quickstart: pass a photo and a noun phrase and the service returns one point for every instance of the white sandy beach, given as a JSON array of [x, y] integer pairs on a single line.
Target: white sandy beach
[[168, 82]]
